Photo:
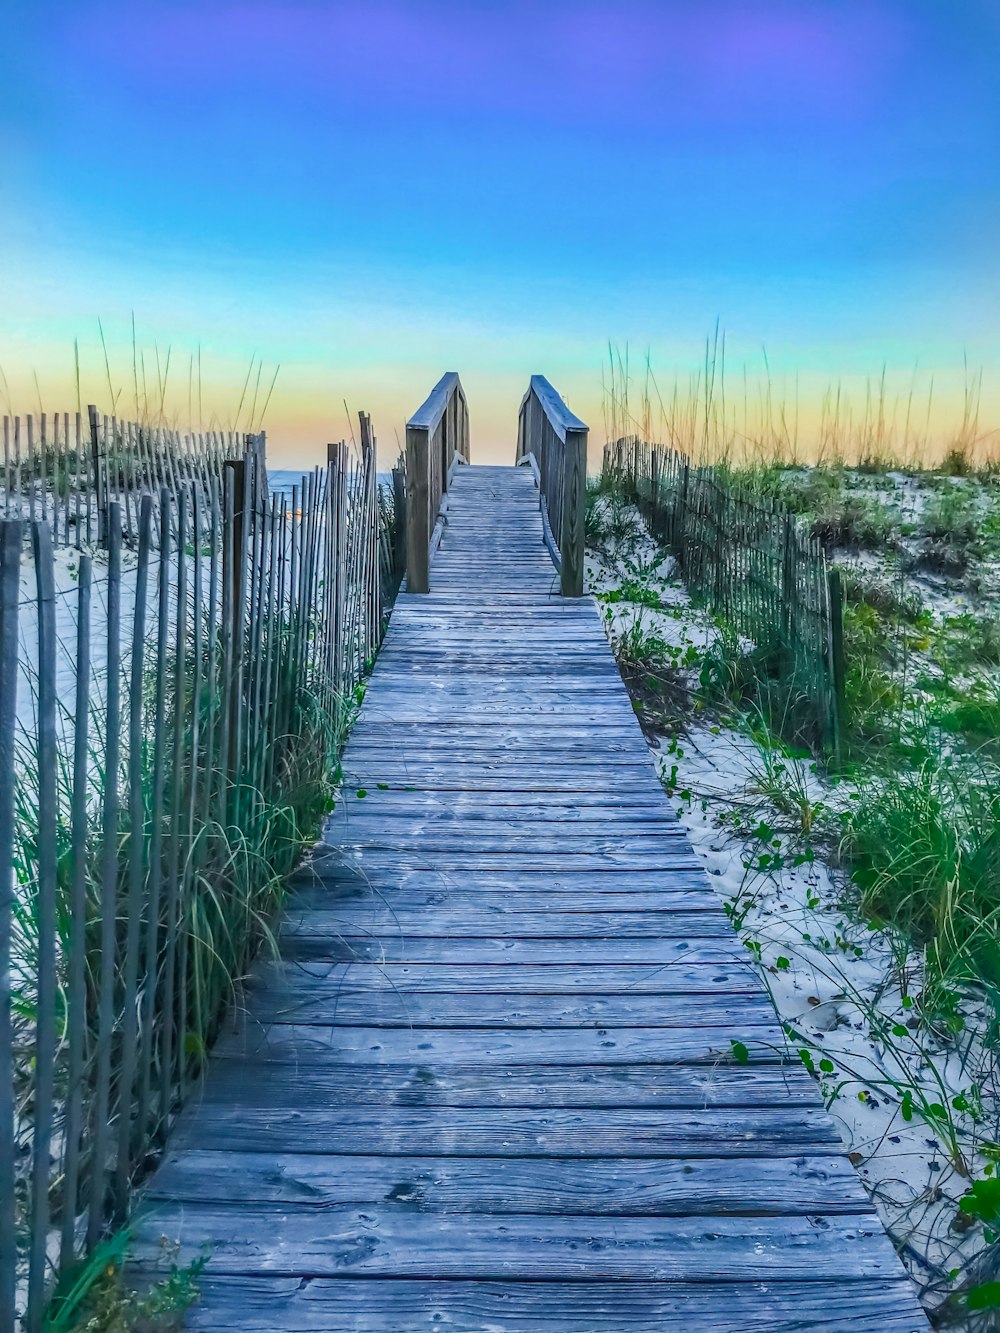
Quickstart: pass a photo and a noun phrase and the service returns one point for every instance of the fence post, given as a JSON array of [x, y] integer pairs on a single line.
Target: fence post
[[45, 916], [337, 461], [233, 578], [101, 1097], [100, 488], [399, 521], [418, 513], [788, 591], [10, 573], [838, 663], [682, 542], [718, 545], [654, 491], [573, 512], [370, 581]]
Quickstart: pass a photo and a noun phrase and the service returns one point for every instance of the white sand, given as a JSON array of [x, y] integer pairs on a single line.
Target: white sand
[[834, 980]]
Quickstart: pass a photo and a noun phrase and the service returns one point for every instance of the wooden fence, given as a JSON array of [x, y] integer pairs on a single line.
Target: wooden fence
[[437, 438], [171, 717], [554, 443], [759, 570], [64, 470]]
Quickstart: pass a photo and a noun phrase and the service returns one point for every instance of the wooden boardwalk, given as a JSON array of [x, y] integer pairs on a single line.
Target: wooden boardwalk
[[490, 1085]]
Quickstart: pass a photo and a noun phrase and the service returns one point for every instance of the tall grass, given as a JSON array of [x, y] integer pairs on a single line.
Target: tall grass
[[923, 845], [761, 421], [158, 386]]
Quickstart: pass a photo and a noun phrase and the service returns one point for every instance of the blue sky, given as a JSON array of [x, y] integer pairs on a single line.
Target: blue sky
[[370, 194]]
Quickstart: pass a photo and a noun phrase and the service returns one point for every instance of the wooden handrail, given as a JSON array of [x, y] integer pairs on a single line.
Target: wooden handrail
[[437, 436], [554, 442]]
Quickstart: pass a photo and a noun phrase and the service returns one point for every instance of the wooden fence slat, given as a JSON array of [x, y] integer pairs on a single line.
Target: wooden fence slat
[[136, 866], [77, 1025], [152, 987], [10, 572], [101, 1104], [210, 798], [47, 992], [174, 1002]]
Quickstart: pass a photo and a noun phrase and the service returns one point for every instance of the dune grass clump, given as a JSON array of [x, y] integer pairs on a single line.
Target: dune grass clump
[[857, 522], [890, 598], [611, 522], [951, 531], [923, 845]]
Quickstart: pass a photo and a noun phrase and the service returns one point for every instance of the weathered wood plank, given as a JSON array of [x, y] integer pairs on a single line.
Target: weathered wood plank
[[329, 882], [277, 1085], [363, 896], [625, 1186], [514, 979], [291, 1043], [338, 1305], [378, 1240], [300, 999], [610, 951], [454, 920]]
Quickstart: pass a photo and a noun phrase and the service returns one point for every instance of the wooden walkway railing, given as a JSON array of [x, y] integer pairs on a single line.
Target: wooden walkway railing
[[437, 435], [554, 442]]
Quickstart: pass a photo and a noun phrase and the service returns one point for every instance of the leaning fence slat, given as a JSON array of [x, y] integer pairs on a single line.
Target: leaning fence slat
[[100, 1135], [226, 693], [31, 468], [192, 746], [45, 914], [209, 804], [76, 991], [136, 866], [172, 1067], [10, 571], [151, 976]]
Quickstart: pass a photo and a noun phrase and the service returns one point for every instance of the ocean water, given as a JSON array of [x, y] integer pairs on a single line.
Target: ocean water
[[280, 480]]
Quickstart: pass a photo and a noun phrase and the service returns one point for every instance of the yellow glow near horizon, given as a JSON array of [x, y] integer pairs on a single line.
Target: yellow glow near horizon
[[918, 415]]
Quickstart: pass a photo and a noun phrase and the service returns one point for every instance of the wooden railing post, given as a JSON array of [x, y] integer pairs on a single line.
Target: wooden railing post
[[434, 434], [464, 408], [574, 512], [418, 525]]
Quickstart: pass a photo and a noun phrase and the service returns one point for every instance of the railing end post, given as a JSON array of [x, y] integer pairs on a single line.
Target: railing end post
[[418, 528], [574, 512]]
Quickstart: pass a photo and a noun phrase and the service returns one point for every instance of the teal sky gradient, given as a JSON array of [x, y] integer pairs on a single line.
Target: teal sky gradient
[[373, 193]]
